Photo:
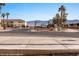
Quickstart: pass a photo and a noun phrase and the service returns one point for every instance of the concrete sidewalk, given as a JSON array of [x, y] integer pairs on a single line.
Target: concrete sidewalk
[[39, 43]]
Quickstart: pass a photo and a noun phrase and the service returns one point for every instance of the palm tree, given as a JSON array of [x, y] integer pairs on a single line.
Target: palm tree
[[3, 15], [1, 4], [7, 14], [3, 23]]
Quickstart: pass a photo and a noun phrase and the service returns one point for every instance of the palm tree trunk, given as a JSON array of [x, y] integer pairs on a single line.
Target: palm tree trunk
[[7, 17], [0, 9], [4, 23]]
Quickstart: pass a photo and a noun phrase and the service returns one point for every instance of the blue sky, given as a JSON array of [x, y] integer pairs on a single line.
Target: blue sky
[[40, 11]]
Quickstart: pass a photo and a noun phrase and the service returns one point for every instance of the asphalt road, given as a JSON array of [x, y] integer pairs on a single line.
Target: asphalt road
[[28, 33]]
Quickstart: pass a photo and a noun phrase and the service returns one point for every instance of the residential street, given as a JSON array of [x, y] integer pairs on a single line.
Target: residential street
[[28, 33], [22, 42]]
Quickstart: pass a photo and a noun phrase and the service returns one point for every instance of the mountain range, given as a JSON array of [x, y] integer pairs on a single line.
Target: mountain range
[[38, 23], [45, 23]]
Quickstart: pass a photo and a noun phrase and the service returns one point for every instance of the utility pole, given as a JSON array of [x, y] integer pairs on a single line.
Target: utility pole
[[35, 23]]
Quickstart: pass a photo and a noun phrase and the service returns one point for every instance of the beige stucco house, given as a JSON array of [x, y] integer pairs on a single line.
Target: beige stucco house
[[13, 23]]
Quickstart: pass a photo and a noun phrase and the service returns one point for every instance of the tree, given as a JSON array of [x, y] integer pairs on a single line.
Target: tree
[[3, 23], [7, 14], [63, 15], [60, 18], [48, 22], [1, 4], [3, 15], [57, 22], [57, 18], [54, 20]]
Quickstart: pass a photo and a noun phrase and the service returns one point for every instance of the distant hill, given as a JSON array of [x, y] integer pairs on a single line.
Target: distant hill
[[72, 21], [45, 23], [39, 23]]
